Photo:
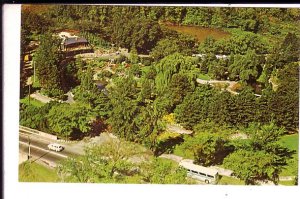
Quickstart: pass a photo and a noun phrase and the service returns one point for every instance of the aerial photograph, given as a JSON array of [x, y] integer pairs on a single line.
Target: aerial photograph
[[159, 94]]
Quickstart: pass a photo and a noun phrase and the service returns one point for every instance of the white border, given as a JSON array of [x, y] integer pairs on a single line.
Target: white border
[[14, 189]]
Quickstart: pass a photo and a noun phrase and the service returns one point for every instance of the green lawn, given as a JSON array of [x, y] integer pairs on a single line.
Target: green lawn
[[186, 154], [204, 76], [33, 172], [33, 102], [291, 142], [287, 183], [230, 181]]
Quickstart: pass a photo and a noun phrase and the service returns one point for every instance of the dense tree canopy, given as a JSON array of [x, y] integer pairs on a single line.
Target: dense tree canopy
[[130, 94], [48, 68], [114, 162], [71, 120]]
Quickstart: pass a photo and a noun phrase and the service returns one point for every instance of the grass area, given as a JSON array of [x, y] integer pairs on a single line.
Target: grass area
[[287, 183], [33, 102], [292, 143], [185, 153], [204, 76], [33, 172], [230, 181]]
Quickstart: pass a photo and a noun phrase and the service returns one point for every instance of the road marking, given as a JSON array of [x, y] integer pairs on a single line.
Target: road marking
[[25, 143]]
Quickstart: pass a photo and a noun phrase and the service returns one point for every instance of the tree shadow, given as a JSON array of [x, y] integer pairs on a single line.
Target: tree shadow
[[98, 126], [168, 145]]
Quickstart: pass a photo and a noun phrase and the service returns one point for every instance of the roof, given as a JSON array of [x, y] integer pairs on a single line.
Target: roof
[[189, 165], [74, 40]]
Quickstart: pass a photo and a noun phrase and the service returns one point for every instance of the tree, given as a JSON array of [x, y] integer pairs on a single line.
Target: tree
[[219, 69], [291, 47], [208, 46], [251, 165], [135, 70], [147, 90], [208, 148], [247, 67], [108, 162], [117, 161], [48, 67], [179, 87], [172, 43], [194, 107], [34, 117], [283, 103], [241, 42], [125, 108], [164, 48], [133, 56], [161, 171], [34, 21], [130, 31], [71, 121], [264, 136], [261, 157], [169, 66], [219, 109], [243, 108]]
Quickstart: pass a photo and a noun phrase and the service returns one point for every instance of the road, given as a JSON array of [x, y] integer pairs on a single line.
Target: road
[[44, 155], [39, 150]]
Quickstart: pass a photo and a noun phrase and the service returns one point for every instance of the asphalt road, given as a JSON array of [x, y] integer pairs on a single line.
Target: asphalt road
[[46, 156], [39, 150]]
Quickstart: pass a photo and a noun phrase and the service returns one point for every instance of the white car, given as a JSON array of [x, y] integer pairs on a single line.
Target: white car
[[55, 147]]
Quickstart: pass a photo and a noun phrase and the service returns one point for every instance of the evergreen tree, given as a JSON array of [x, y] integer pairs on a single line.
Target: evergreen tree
[[48, 68]]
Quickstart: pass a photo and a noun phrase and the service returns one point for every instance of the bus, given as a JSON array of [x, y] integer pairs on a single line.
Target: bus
[[208, 175]]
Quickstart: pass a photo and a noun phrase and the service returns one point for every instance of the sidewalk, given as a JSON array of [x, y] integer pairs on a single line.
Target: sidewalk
[[41, 97]]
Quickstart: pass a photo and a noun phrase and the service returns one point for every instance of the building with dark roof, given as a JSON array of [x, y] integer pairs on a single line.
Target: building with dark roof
[[75, 45]]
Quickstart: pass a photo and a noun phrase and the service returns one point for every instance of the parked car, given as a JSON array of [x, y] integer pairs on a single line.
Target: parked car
[[55, 147]]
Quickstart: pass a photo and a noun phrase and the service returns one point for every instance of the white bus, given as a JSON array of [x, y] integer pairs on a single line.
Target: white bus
[[208, 175]]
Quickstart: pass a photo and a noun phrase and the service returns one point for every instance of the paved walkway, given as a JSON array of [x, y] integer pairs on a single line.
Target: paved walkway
[[178, 129], [229, 88], [40, 97], [45, 99]]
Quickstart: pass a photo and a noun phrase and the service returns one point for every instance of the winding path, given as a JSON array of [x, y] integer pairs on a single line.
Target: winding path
[[229, 88]]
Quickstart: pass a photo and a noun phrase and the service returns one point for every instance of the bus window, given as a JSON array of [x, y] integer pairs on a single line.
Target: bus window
[[202, 174], [210, 176]]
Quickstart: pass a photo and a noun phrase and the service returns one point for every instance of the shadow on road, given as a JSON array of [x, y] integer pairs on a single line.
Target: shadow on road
[[41, 156]]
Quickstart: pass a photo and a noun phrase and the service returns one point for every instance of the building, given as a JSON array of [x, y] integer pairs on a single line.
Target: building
[[75, 45]]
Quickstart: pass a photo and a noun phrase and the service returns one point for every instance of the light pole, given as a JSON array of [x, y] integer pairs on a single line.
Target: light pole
[[29, 94], [29, 83], [29, 152], [33, 70]]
